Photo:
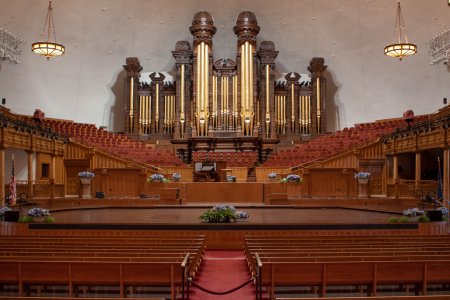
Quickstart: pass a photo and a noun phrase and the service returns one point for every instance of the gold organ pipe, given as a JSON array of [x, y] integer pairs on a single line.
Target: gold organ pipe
[[267, 120], [147, 114], [206, 93], [182, 90], [277, 110], [198, 87], [235, 111], [149, 110], [140, 114], [214, 101], [227, 112], [182, 117], [131, 104], [222, 96], [165, 114], [292, 108], [157, 109], [283, 103], [308, 103], [318, 104]]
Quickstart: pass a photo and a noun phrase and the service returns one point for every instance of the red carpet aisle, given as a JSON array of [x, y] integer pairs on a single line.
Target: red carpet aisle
[[221, 271]]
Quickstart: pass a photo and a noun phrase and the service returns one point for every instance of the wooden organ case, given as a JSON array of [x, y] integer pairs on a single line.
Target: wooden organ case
[[225, 104]]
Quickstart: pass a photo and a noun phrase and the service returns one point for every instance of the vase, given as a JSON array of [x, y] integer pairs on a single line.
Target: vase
[[363, 180], [38, 219], [363, 188], [86, 187], [85, 180]]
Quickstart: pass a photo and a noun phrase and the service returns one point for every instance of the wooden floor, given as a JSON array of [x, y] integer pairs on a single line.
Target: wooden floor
[[140, 217], [190, 215]]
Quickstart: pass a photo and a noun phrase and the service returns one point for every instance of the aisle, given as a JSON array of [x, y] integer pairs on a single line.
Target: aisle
[[222, 270]]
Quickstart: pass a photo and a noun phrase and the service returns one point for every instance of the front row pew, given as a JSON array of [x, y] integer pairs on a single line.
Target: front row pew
[[99, 273], [372, 274]]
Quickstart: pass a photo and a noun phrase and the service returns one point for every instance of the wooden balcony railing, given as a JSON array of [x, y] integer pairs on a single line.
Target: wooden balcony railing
[[408, 189], [31, 189]]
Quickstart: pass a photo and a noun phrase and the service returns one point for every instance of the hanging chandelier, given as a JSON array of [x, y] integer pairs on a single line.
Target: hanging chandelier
[[48, 48], [400, 47]]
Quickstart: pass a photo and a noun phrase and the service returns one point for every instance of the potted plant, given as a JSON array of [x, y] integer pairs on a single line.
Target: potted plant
[[176, 177], [156, 178], [38, 214], [272, 176], [363, 177], [294, 178], [222, 213], [86, 177], [3, 211]]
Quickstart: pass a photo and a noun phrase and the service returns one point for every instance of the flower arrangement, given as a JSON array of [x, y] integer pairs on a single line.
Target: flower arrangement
[[444, 210], [362, 175], [231, 178], [3, 210], [156, 178], [38, 212], [413, 212], [176, 176], [272, 175], [292, 178], [86, 174], [222, 213]]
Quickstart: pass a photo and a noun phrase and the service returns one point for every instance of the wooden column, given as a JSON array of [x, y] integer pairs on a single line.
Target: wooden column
[[2, 176], [133, 69], [418, 170], [395, 174], [30, 173], [446, 175]]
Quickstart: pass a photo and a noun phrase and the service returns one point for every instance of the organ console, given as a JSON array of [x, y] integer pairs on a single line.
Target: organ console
[[225, 103]]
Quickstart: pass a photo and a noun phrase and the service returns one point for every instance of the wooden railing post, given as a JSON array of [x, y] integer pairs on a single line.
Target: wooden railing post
[[52, 188]]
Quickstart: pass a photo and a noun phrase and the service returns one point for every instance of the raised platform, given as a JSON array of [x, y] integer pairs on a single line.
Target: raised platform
[[264, 220]]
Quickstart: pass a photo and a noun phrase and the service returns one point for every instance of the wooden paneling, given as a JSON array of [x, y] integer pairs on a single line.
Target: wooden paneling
[[76, 151], [73, 167], [263, 172], [225, 192], [186, 173], [240, 173], [119, 182], [331, 182]]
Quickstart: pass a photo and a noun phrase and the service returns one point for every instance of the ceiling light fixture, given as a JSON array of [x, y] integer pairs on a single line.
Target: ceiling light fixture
[[48, 48], [400, 47]]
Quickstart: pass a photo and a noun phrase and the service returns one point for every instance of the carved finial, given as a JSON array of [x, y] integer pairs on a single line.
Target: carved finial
[[246, 27], [203, 28]]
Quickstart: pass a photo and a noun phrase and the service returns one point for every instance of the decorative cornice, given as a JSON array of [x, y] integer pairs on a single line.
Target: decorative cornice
[[203, 28], [133, 67], [246, 28], [317, 66]]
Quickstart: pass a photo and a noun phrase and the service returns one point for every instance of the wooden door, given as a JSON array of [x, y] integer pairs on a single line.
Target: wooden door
[[73, 167]]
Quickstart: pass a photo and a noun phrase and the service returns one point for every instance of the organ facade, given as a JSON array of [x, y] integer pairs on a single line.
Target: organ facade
[[222, 104]]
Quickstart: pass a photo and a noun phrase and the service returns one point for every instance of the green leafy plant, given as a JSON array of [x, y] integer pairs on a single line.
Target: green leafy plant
[[424, 219], [404, 219], [393, 220], [223, 213], [219, 214], [25, 219], [49, 220]]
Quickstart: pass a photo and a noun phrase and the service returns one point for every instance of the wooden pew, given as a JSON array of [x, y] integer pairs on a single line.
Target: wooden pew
[[85, 261], [342, 261]]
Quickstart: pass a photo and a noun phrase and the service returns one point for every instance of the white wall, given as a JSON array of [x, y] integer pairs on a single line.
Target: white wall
[[86, 84]]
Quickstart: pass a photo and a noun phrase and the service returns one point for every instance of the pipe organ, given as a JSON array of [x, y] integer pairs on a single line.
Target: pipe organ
[[225, 98]]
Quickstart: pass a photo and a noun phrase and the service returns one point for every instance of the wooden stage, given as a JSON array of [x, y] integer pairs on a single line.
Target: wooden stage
[[103, 217]]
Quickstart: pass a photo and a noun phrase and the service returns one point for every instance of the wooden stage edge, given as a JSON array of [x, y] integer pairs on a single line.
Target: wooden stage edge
[[221, 236]]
